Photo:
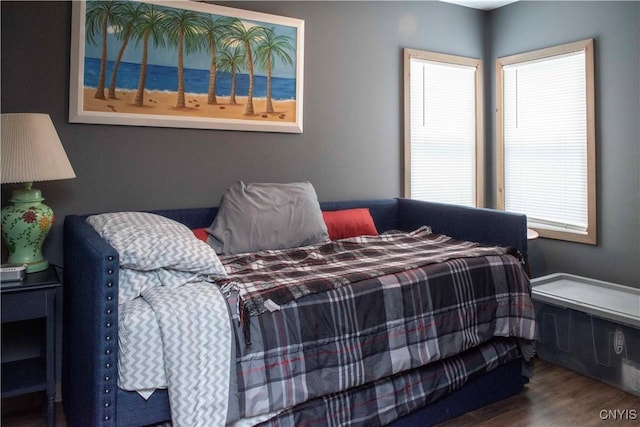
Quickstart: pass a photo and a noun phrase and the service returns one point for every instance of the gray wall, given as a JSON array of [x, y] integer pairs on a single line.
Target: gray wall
[[352, 142], [615, 27]]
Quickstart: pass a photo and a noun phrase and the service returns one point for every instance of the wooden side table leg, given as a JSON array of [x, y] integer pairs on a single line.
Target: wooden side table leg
[[51, 358], [51, 410]]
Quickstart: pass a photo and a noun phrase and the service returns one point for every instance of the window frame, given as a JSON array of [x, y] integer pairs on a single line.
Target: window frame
[[590, 236], [410, 54]]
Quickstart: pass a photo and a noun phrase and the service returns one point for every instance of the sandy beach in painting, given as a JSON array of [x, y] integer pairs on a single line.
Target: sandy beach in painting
[[164, 103]]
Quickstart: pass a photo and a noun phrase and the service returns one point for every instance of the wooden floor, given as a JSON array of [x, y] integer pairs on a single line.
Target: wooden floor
[[555, 397]]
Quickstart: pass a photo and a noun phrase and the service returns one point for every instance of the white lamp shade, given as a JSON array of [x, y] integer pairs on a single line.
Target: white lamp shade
[[31, 150]]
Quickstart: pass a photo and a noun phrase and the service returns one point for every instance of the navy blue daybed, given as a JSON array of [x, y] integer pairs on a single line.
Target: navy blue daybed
[[91, 396]]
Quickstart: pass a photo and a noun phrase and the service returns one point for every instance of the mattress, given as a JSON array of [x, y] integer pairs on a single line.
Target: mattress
[[326, 343]]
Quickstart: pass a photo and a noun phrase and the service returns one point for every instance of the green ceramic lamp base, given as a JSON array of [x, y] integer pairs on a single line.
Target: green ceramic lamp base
[[25, 225]]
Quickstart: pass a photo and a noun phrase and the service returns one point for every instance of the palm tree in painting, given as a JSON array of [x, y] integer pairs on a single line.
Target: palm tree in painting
[[232, 61], [149, 27], [126, 18], [214, 31], [270, 47], [183, 30], [246, 35], [98, 17]]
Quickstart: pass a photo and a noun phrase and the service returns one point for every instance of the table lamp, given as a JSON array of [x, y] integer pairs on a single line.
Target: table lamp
[[31, 151]]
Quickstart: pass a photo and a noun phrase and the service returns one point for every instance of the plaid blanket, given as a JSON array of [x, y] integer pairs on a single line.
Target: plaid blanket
[[332, 341], [267, 279], [384, 401]]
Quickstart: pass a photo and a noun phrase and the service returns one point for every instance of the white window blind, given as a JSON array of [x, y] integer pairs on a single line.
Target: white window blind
[[545, 141], [443, 132]]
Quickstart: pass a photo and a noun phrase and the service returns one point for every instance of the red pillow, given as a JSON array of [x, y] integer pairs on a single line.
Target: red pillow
[[201, 233], [349, 223]]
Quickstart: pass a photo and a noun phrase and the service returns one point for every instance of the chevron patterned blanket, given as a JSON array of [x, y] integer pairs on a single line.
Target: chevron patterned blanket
[[197, 346]]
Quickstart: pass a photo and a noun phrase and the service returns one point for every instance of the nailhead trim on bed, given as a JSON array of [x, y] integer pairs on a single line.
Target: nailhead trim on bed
[[109, 376]]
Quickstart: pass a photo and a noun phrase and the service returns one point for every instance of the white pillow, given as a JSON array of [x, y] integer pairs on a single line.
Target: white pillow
[[164, 249], [258, 216]]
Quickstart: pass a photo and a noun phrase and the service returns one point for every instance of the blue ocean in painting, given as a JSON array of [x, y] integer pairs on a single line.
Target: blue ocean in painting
[[165, 78]]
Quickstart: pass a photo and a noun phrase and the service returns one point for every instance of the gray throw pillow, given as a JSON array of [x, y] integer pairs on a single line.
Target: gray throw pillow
[[258, 216]]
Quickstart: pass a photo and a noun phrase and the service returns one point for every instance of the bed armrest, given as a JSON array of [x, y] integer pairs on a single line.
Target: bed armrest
[[90, 305], [464, 223]]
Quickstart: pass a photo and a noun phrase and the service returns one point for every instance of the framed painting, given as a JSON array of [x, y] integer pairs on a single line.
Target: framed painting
[[185, 64]]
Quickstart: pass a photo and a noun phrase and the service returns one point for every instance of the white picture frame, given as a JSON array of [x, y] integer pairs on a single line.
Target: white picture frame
[[259, 58]]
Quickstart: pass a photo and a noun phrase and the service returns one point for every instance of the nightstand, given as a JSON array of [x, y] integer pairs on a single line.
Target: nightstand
[[28, 315]]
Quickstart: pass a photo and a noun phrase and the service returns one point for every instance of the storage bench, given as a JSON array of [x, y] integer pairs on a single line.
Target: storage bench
[[591, 327]]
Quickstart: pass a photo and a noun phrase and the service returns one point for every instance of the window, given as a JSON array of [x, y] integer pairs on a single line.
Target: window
[[444, 159], [546, 140]]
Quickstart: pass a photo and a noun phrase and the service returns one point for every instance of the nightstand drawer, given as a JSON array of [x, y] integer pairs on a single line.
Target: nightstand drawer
[[25, 305]]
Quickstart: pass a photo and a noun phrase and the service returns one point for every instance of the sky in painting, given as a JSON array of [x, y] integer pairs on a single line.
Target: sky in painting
[[196, 60]]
